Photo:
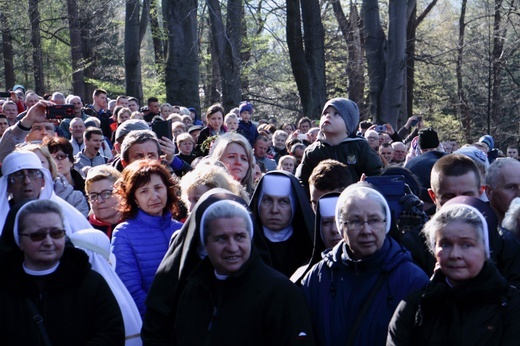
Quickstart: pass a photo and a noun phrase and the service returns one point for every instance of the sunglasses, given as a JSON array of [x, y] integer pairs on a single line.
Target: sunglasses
[[60, 157], [40, 236]]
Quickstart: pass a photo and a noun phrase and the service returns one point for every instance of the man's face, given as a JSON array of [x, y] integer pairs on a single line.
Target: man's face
[[298, 155], [228, 244], [101, 100], [399, 152], [512, 152], [122, 101], [141, 151], [4, 124], [132, 104], [93, 144], [387, 153], [78, 105], [275, 212], [261, 148], [25, 184], [39, 131], [154, 107], [304, 127], [506, 189], [77, 127], [31, 100], [10, 111], [452, 186], [316, 195]]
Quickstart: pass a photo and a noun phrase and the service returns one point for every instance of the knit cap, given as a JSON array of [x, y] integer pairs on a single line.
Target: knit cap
[[348, 110], [245, 106]]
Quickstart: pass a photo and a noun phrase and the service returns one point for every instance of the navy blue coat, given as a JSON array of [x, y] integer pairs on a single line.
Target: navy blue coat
[[337, 287]]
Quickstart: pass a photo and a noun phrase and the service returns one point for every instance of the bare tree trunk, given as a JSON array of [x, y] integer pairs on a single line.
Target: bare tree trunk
[[133, 31], [7, 50], [499, 35], [307, 64], [34, 17], [157, 37], [228, 43], [463, 109], [76, 51], [214, 71], [182, 62]]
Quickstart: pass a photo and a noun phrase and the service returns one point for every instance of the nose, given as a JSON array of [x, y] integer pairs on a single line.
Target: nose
[[232, 245], [454, 252], [47, 240]]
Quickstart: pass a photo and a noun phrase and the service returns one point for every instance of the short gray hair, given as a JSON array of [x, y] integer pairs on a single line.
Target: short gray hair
[[493, 172], [456, 213], [137, 137], [225, 209]]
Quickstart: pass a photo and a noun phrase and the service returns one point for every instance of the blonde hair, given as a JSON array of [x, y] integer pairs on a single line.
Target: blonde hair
[[45, 151]]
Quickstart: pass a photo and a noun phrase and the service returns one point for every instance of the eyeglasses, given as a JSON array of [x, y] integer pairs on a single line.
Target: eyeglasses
[[105, 194], [373, 138], [20, 176], [40, 236], [60, 157], [356, 225]]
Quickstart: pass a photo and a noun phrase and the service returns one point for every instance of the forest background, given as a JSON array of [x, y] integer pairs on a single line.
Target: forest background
[[453, 62]]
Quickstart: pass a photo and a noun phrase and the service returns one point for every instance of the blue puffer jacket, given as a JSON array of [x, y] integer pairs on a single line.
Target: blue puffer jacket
[[337, 287], [139, 245]]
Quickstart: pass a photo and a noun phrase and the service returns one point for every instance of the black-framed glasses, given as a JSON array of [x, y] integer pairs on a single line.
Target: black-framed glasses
[[60, 157], [105, 194], [41, 235], [20, 176], [356, 224]]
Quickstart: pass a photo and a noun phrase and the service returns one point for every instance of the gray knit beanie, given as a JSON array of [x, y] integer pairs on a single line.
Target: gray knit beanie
[[348, 110]]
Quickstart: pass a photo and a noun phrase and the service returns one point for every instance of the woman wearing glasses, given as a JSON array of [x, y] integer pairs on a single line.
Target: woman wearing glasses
[[355, 289], [104, 204], [43, 279], [149, 202]]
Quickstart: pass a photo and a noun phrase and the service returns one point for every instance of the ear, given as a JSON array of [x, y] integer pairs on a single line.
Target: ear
[[117, 147], [489, 191], [124, 163], [432, 195]]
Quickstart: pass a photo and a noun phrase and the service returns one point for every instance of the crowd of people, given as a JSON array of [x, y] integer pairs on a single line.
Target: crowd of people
[[155, 225]]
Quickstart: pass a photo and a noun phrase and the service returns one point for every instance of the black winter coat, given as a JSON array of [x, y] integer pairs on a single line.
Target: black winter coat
[[77, 305], [482, 311], [255, 306]]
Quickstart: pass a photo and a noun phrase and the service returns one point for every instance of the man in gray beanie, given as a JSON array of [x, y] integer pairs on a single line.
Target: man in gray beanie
[[337, 140]]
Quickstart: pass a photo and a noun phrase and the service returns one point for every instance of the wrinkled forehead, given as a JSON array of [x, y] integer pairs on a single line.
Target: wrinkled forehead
[[45, 124]]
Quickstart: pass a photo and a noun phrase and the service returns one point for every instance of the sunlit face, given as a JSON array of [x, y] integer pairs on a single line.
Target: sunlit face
[[279, 142], [194, 195], [123, 116], [387, 153], [452, 186], [275, 212], [368, 239], [215, 121], [101, 100], [459, 252], [43, 159], [228, 244], [45, 254], [76, 128], [261, 148], [4, 124], [27, 188], [39, 131], [141, 151], [232, 124], [187, 121], [506, 189], [332, 123], [78, 105], [186, 147], [373, 140], [236, 161], [122, 101], [152, 197], [63, 162], [289, 129], [178, 130], [288, 165], [399, 152], [10, 111], [304, 127], [31, 100], [166, 111], [134, 107], [154, 107], [93, 144], [104, 209]]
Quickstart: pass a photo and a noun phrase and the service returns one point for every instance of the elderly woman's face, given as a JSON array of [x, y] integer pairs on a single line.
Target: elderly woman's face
[[42, 254], [228, 244], [363, 226], [459, 252]]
